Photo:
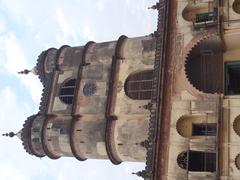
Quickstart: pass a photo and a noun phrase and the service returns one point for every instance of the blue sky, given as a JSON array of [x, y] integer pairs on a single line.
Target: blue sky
[[26, 29]]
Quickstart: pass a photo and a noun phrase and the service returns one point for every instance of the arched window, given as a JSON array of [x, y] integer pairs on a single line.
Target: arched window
[[197, 161], [67, 91], [139, 85]]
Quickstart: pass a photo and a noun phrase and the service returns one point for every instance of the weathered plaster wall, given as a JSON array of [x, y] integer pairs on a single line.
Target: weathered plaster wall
[[132, 125], [97, 73], [57, 136], [89, 137], [230, 139]]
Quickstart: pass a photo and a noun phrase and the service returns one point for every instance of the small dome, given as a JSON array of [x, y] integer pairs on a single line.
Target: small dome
[[44, 69], [26, 136], [46, 62]]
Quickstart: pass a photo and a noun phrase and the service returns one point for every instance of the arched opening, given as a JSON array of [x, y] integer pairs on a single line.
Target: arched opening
[[192, 10], [197, 161], [236, 6], [195, 126], [237, 161], [139, 85], [236, 125], [199, 13], [67, 91], [204, 66]]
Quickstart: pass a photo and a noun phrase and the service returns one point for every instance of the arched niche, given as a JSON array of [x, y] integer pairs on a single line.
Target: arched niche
[[236, 6], [203, 65], [197, 161], [237, 161], [236, 125], [195, 126], [191, 10]]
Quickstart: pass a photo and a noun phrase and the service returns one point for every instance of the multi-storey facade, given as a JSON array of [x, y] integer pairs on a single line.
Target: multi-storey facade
[[197, 134], [170, 99]]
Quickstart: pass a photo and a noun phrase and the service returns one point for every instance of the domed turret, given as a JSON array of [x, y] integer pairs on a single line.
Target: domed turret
[[31, 143], [46, 63]]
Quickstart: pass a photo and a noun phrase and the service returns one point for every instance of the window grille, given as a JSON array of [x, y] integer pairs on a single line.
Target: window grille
[[67, 91], [198, 161], [139, 85], [208, 129]]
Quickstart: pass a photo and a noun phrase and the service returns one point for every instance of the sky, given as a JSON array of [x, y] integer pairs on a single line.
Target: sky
[[27, 28]]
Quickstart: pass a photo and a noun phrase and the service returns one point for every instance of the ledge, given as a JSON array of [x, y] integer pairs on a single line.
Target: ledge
[[111, 102], [74, 151], [45, 148]]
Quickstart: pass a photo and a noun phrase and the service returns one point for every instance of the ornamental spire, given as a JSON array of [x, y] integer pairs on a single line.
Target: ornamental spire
[[26, 71], [156, 6], [142, 173], [12, 134]]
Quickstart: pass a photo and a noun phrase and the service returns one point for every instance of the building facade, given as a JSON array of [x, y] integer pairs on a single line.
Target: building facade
[[170, 99], [197, 136]]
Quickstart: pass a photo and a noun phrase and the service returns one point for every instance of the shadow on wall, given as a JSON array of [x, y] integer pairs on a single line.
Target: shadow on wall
[[204, 64]]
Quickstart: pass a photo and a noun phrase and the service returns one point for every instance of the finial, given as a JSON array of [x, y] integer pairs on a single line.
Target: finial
[[11, 134], [156, 6], [141, 173], [25, 71]]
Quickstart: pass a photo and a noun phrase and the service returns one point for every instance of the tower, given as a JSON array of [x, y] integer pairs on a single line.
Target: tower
[[95, 101], [170, 98]]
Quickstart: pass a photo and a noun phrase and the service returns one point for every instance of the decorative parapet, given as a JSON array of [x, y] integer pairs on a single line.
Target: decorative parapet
[[157, 91], [46, 76]]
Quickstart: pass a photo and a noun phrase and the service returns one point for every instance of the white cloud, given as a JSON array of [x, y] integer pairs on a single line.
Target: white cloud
[[14, 54], [67, 31], [100, 5], [127, 2], [2, 25], [16, 61], [33, 85], [8, 171], [87, 33], [12, 112]]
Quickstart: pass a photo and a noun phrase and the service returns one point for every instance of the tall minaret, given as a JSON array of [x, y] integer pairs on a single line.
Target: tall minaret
[[95, 102]]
